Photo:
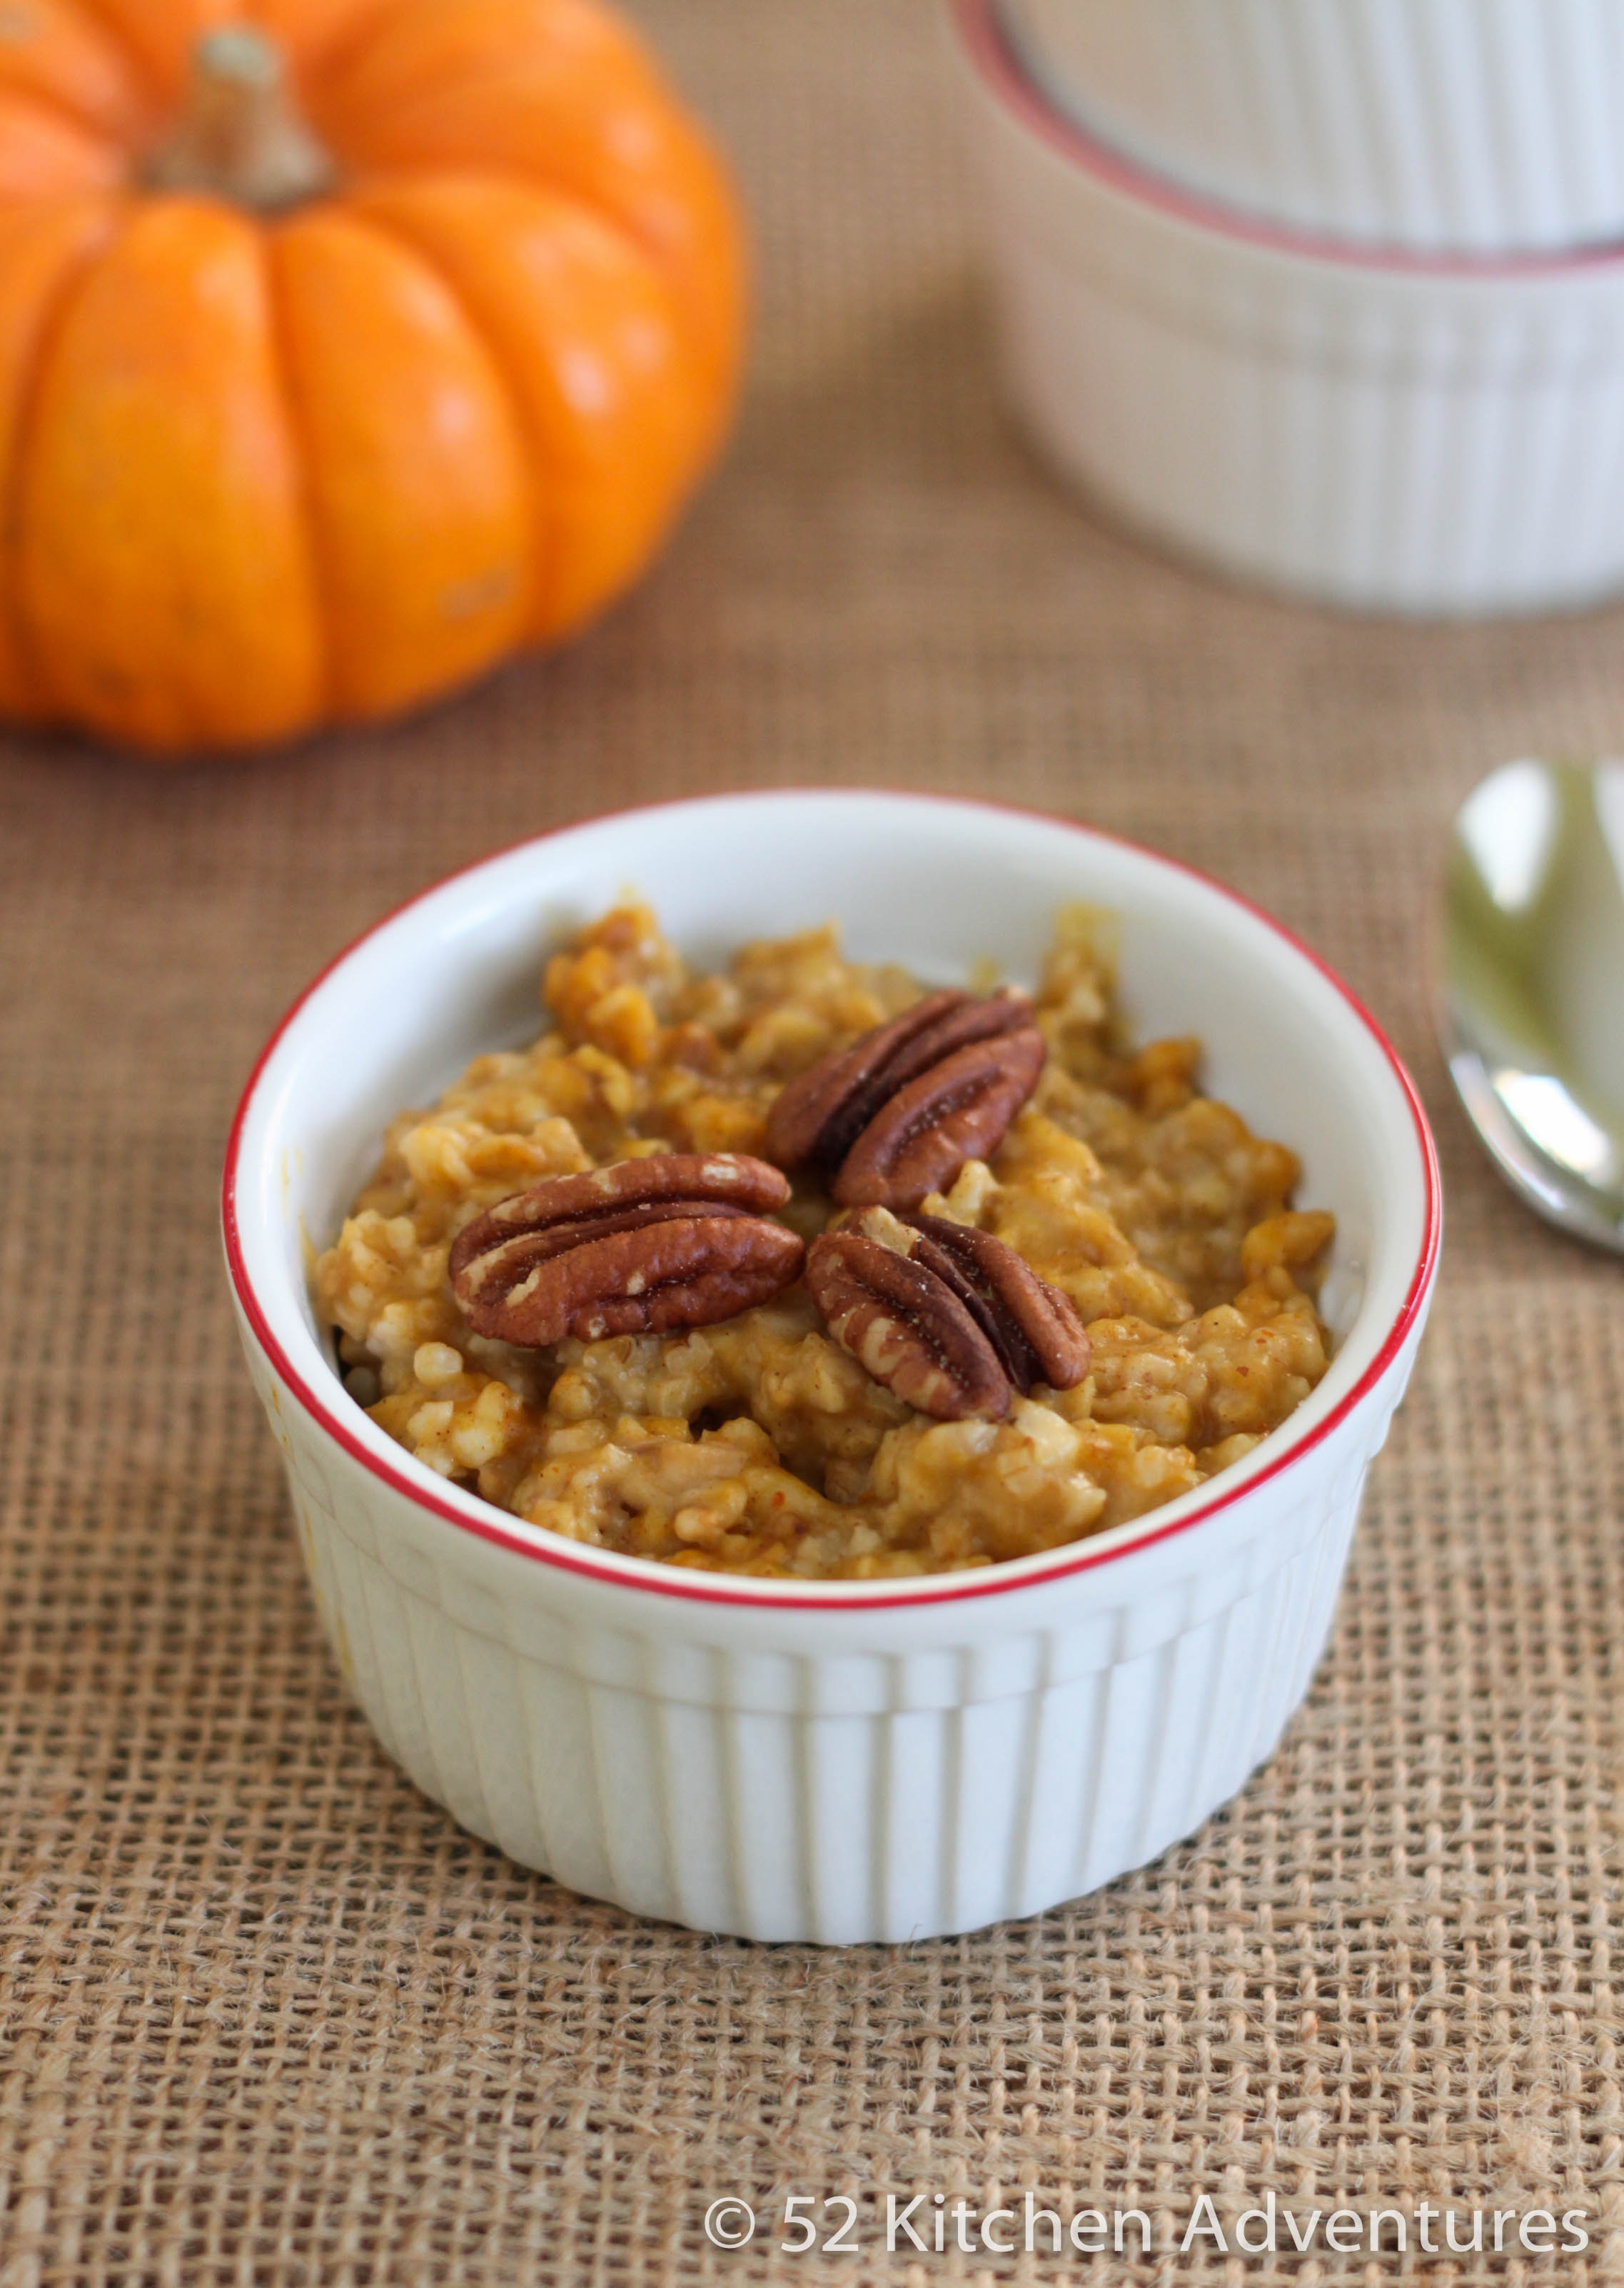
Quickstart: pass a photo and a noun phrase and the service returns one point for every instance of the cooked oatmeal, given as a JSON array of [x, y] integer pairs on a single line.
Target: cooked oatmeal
[[759, 1444]]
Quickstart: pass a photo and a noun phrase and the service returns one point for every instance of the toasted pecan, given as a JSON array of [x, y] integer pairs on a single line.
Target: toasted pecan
[[647, 1246], [898, 1113], [950, 1319], [1035, 1329], [906, 1328]]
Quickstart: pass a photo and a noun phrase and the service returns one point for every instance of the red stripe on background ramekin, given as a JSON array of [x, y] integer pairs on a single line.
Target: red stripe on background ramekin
[[987, 48], [647, 1575]]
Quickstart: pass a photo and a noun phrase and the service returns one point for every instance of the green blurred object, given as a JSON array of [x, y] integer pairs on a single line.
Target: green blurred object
[[1532, 1021]]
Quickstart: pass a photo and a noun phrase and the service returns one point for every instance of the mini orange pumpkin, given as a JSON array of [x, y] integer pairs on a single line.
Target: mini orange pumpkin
[[303, 423]]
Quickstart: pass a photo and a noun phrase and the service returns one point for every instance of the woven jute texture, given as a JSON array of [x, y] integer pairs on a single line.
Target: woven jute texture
[[265, 2015]]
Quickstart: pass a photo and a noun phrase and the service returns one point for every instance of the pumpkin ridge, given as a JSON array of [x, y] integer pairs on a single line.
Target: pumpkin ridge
[[631, 50], [118, 39], [166, 573], [78, 13], [310, 73], [475, 83], [52, 105], [523, 427], [323, 587], [354, 701], [56, 107], [673, 260], [49, 153], [428, 170], [560, 607], [75, 277]]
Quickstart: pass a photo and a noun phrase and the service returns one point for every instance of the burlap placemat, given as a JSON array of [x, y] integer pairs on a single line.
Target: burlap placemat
[[265, 2015]]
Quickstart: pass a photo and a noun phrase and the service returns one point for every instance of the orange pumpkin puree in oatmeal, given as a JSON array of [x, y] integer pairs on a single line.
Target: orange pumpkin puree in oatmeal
[[759, 1443]]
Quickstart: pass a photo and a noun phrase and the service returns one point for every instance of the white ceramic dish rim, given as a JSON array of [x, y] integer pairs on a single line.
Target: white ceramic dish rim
[[318, 1390], [992, 56]]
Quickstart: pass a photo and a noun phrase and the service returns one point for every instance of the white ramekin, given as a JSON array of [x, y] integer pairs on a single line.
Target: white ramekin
[[847, 1761], [1485, 126], [1415, 435]]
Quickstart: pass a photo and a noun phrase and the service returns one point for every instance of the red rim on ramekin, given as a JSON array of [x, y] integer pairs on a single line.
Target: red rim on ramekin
[[988, 49], [647, 1574]]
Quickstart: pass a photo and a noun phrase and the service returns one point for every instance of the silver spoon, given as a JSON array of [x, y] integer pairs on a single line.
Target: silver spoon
[[1532, 1014]]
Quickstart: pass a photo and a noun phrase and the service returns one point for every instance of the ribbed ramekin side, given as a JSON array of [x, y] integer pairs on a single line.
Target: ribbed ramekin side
[[1462, 126], [1385, 448], [778, 1815]]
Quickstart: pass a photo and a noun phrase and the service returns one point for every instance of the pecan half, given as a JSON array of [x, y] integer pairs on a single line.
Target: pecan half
[[644, 1247], [1034, 1327], [955, 1325], [898, 1113], [909, 1330]]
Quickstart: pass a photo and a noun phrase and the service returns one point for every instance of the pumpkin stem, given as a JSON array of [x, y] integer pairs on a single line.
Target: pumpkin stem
[[241, 137]]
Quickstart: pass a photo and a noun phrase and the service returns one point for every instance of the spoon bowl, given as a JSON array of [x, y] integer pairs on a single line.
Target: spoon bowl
[[1532, 1019]]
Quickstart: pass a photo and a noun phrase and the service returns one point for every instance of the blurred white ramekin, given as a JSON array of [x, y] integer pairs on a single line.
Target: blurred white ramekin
[[1404, 434], [851, 1760], [1487, 126]]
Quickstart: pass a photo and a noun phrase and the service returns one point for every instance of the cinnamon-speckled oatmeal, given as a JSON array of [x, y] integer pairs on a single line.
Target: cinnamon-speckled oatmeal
[[757, 1443]]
